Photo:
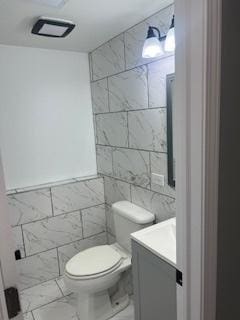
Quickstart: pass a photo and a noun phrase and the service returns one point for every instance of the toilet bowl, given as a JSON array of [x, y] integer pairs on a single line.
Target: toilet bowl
[[92, 272]]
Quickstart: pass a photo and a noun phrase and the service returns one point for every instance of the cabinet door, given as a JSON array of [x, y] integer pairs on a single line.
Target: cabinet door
[[154, 283]]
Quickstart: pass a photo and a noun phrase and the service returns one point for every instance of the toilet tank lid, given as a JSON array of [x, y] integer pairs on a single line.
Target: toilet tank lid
[[133, 213]]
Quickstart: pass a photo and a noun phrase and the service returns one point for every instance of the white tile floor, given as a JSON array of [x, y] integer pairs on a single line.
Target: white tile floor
[[51, 301]]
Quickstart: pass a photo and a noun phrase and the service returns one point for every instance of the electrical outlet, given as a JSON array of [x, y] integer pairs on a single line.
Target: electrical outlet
[[158, 179]]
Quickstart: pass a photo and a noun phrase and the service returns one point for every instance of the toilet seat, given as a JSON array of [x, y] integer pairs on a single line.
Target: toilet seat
[[93, 263]]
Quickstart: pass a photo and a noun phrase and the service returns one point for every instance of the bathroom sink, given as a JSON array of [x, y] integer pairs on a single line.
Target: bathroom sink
[[159, 239]]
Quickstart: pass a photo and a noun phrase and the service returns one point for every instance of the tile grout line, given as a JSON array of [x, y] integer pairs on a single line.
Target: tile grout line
[[129, 148], [43, 305], [40, 283], [93, 114], [60, 288], [113, 170], [96, 149], [131, 193], [104, 188], [69, 243], [32, 315], [51, 185], [24, 247], [81, 218], [124, 49], [150, 168], [148, 91], [58, 259], [58, 215], [108, 95], [106, 221], [51, 198], [130, 110], [138, 186], [128, 131], [132, 68]]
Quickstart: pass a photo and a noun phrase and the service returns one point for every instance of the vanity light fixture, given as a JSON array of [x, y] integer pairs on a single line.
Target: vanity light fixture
[[49, 27], [170, 40], [152, 46]]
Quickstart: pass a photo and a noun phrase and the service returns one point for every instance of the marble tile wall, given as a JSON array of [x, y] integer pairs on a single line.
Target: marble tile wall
[[52, 224], [109, 58], [129, 111]]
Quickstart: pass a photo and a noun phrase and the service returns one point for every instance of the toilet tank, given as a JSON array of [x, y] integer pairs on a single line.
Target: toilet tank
[[129, 218]]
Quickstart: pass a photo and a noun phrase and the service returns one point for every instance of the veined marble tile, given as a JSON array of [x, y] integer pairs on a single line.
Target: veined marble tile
[[159, 165], [28, 316], [109, 58], [157, 73], [62, 309], [29, 206], [162, 206], [95, 129], [90, 66], [127, 282], [79, 195], [135, 37], [148, 129], [67, 252], [37, 269], [132, 166], [61, 283], [94, 220], [110, 221], [18, 240], [110, 238], [104, 160], [112, 129], [39, 295], [100, 96], [128, 90], [51, 233], [116, 190]]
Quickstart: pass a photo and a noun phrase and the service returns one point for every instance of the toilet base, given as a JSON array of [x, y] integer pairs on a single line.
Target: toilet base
[[99, 306]]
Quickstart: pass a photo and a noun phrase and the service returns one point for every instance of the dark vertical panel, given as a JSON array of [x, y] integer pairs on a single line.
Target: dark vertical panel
[[228, 296]]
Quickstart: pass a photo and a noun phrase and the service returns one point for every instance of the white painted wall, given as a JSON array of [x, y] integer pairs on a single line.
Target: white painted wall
[[46, 127]]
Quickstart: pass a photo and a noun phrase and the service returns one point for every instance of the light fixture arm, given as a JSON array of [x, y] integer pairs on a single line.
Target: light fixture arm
[[173, 22], [151, 33]]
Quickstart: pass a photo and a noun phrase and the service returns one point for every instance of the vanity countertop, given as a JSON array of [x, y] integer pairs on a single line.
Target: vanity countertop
[[160, 239]]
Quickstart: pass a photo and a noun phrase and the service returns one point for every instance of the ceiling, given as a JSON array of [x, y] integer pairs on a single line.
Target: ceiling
[[96, 21]]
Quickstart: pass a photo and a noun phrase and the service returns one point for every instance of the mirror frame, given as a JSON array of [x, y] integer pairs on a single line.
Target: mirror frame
[[169, 79]]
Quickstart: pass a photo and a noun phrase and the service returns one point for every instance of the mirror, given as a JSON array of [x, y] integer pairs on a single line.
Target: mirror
[[170, 130]]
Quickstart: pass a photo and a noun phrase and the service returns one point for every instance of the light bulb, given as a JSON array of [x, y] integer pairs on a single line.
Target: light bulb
[[170, 40], [152, 48]]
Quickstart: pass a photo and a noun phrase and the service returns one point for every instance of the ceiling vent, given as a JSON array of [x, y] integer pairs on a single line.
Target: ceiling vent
[[52, 3], [50, 27]]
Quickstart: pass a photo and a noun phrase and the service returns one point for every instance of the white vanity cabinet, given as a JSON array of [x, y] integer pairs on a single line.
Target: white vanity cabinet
[[154, 282]]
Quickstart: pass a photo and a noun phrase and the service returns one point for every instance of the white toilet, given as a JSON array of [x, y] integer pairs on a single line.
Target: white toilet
[[92, 272]]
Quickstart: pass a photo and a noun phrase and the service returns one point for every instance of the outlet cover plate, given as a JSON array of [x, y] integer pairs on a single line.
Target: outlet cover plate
[[158, 179]]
